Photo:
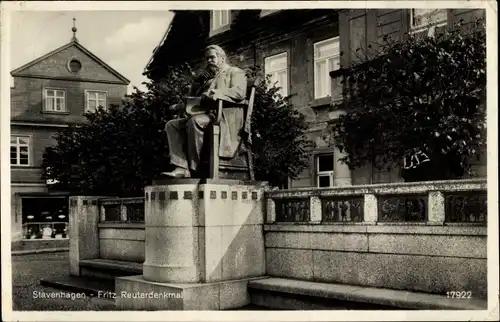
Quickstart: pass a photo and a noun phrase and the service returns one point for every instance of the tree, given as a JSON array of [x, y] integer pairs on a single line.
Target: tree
[[422, 93], [280, 146], [119, 151]]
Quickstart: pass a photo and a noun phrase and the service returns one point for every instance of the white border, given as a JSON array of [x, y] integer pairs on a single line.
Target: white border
[[492, 72]]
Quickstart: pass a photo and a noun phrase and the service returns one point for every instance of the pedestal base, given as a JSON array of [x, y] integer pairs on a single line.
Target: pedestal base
[[204, 232], [135, 293]]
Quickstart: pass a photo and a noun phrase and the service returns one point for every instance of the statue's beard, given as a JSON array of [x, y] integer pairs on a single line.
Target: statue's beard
[[213, 69]]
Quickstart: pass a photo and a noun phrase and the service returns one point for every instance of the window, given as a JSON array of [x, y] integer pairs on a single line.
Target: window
[[324, 170], [326, 59], [277, 67], [423, 18], [19, 150], [74, 66], [95, 99], [55, 100], [45, 218], [220, 18]]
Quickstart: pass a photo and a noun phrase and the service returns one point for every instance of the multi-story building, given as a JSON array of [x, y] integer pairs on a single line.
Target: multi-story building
[[47, 95], [300, 48]]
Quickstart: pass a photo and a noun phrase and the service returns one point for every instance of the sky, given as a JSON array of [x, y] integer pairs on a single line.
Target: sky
[[125, 40]]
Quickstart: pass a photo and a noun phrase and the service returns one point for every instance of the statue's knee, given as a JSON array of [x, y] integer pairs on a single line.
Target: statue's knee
[[191, 123], [200, 121]]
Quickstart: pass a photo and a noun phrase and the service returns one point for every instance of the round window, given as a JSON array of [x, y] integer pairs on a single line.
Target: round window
[[75, 66]]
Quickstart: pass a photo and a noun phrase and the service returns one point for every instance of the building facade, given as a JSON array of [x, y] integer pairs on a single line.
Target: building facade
[[300, 48], [47, 95]]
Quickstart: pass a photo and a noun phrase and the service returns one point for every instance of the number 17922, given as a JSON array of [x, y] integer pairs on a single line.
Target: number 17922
[[459, 294]]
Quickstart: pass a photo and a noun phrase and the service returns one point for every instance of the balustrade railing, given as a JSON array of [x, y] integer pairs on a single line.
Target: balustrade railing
[[342, 209], [294, 210], [435, 202], [466, 207], [122, 209], [404, 208]]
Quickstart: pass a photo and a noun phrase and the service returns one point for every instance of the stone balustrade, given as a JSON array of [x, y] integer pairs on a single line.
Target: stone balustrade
[[425, 236], [430, 203]]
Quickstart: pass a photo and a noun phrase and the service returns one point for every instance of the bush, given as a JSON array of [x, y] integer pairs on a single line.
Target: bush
[[424, 93]]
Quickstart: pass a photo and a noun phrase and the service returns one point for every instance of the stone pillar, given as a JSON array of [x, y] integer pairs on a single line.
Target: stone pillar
[[16, 217], [436, 208], [204, 240], [370, 209], [315, 210], [83, 231], [270, 211]]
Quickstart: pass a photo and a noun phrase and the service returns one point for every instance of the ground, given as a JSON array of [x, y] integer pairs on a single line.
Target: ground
[[27, 270]]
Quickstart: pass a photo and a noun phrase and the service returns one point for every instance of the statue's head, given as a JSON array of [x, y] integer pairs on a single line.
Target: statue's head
[[216, 58]]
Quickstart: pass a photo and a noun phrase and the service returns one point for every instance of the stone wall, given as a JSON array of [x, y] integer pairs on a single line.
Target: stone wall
[[426, 236], [418, 258], [122, 241], [429, 237]]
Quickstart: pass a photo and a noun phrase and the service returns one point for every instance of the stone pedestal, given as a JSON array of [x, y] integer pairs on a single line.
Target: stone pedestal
[[204, 240], [83, 231]]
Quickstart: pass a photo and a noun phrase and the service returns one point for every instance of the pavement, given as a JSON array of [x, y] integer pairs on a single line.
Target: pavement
[[27, 293]]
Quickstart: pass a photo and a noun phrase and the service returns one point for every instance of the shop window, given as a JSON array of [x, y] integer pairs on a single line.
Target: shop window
[[45, 217]]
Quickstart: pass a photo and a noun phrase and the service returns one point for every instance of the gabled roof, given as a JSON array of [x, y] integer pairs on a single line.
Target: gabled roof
[[76, 44]]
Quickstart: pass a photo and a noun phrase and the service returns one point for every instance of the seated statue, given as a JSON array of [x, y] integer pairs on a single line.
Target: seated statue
[[185, 136]]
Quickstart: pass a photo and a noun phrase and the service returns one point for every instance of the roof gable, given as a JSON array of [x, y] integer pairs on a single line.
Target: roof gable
[[55, 65]]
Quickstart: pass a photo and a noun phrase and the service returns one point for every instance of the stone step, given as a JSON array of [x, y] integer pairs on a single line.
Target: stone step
[[109, 269], [281, 293], [78, 284]]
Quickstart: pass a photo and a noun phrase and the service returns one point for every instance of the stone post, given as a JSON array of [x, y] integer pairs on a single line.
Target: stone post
[[315, 209], [370, 209], [270, 210], [83, 230], [436, 208]]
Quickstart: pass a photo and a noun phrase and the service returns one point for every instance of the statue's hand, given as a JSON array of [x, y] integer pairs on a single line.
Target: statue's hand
[[212, 115], [210, 95]]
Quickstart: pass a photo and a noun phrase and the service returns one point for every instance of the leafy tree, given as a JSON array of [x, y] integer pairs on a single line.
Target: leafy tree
[[280, 146], [422, 93], [119, 151]]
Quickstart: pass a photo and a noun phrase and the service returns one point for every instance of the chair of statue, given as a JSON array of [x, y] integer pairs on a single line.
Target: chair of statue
[[239, 167]]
